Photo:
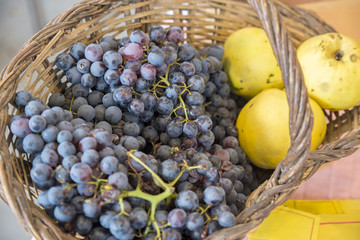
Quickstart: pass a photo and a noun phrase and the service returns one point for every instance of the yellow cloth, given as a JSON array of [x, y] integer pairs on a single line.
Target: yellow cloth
[[311, 220]]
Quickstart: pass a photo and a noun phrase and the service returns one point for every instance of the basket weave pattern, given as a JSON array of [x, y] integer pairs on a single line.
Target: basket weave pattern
[[204, 23]]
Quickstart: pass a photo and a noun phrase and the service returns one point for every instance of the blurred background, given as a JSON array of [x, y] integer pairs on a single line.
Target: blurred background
[[21, 19]]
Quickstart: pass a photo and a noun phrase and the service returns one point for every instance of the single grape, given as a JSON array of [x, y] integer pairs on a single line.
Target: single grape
[[134, 65], [122, 95], [226, 219], [164, 105], [138, 218], [33, 143], [148, 71], [177, 218], [204, 123], [106, 217], [56, 195], [83, 225], [120, 227], [66, 149], [111, 41], [77, 50], [87, 143], [156, 57], [98, 69], [128, 77], [187, 200], [93, 52], [22, 98], [194, 221], [64, 213], [34, 108], [131, 143], [83, 66], [174, 129], [169, 170], [214, 195], [149, 100], [175, 34], [118, 180], [187, 68], [80, 91], [136, 106], [86, 112], [90, 157], [132, 51], [88, 80], [186, 52], [64, 61], [113, 114], [41, 173], [157, 34], [20, 127], [109, 165], [112, 60], [140, 38], [91, 207], [80, 172]]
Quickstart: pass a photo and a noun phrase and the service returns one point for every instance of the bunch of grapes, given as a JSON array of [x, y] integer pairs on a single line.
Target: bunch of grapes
[[142, 144]]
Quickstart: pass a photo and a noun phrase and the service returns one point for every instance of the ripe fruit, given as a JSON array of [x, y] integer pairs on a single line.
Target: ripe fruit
[[263, 126], [250, 63], [331, 67]]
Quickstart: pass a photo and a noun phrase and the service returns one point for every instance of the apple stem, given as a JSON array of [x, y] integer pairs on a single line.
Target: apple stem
[[339, 54]]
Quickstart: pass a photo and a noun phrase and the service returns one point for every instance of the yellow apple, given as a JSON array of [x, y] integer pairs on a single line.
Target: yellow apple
[[331, 67], [250, 63]]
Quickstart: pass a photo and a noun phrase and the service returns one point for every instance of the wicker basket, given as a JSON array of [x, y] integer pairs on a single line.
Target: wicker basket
[[204, 22]]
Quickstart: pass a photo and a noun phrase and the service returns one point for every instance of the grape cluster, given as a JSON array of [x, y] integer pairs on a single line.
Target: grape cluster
[[142, 144]]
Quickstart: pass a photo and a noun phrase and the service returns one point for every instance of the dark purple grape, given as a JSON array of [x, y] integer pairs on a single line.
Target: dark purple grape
[[138, 218], [83, 225], [80, 172], [73, 75], [226, 219], [157, 34], [112, 60], [64, 61], [169, 170], [132, 51], [128, 77], [194, 221], [174, 129], [122, 95], [41, 173], [94, 52], [83, 66], [186, 52], [148, 71], [139, 37], [136, 106], [187, 200], [187, 68], [91, 207], [120, 227], [164, 105], [98, 69], [124, 40], [33, 143], [22, 98], [156, 57], [177, 218], [64, 213], [34, 108], [134, 65], [175, 34], [77, 50], [149, 100], [113, 43], [204, 123], [109, 165], [20, 127], [214, 195]]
